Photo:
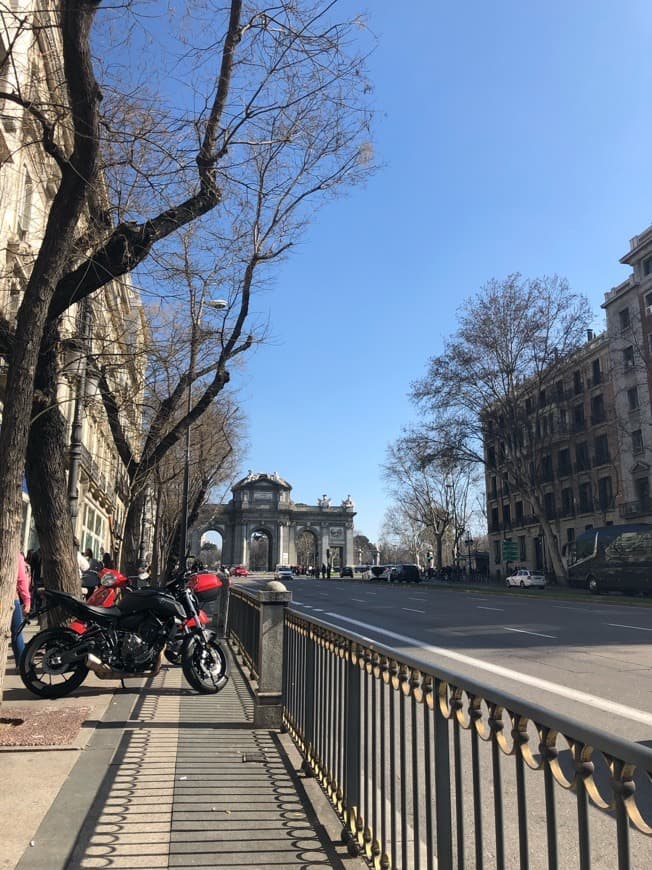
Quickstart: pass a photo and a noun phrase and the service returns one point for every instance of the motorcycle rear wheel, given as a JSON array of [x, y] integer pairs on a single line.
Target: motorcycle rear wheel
[[40, 667], [205, 665]]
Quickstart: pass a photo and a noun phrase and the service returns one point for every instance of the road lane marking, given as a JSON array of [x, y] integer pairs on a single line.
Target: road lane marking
[[524, 631], [481, 607], [412, 610], [361, 600], [635, 627], [517, 676]]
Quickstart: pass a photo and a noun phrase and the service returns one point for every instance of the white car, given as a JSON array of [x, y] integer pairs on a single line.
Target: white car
[[283, 572], [523, 577]]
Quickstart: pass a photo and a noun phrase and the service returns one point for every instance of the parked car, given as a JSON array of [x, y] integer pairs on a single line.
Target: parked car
[[524, 577], [405, 573], [283, 572], [240, 571], [346, 572]]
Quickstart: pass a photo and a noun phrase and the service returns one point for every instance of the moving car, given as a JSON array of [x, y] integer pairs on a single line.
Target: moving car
[[524, 577], [240, 571], [405, 573], [283, 572], [346, 572]]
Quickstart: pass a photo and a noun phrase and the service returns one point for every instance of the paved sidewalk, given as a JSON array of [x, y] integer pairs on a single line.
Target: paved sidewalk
[[184, 780]]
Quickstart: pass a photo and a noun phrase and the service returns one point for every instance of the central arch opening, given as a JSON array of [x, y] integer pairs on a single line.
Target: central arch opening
[[261, 552], [307, 550]]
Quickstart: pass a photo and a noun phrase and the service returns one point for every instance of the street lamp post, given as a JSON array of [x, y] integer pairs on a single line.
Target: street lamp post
[[218, 305], [469, 543]]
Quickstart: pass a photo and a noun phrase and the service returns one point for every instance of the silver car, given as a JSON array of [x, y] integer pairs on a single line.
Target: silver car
[[524, 577]]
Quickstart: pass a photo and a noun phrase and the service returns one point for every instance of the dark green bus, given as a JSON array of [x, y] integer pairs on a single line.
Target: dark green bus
[[612, 559]]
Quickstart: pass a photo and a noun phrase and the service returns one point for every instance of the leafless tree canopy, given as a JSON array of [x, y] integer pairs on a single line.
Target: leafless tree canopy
[[514, 339]]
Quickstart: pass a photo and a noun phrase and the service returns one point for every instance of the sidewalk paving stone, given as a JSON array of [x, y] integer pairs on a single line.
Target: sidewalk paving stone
[[184, 780]]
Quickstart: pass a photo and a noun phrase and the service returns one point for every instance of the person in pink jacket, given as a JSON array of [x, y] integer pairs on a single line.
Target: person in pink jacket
[[21, 606]]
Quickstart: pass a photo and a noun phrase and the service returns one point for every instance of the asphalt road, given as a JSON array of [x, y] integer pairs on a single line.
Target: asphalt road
[[590, 659]]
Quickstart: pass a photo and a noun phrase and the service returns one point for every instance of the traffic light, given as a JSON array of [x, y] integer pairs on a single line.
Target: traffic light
[[429, 556]]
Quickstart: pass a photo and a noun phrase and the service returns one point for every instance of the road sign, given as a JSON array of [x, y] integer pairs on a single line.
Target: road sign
[[510, 551]]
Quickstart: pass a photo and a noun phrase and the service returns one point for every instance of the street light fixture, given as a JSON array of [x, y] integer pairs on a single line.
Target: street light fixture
[[217, 305]]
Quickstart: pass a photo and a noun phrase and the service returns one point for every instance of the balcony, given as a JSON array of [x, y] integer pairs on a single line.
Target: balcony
[[640, 507]]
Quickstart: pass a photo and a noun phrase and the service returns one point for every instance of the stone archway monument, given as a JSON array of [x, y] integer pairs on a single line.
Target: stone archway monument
[[261, 505]]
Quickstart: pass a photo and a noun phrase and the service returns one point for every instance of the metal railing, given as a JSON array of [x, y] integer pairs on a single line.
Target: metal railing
[[428, 768], [244, 628]]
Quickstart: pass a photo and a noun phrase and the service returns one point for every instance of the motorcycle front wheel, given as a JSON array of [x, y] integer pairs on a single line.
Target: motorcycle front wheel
[[41, 668], [204, 664]]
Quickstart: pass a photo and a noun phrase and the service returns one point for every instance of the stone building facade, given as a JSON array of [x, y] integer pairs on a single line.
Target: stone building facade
[[30, 68]]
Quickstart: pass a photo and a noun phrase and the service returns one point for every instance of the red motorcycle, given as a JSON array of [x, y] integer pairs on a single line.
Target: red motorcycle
[[204, 586]]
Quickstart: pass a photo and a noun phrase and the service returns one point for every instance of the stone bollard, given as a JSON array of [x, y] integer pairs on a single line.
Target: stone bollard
[[268, 706]]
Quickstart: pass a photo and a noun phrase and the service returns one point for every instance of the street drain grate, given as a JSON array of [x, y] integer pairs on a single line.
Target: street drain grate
[[10, 723]]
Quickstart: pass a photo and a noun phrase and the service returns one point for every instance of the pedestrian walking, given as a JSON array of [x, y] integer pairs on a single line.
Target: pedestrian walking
[[22, 605]]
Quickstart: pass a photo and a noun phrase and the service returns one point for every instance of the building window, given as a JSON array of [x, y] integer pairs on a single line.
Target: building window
[[623, 317], [605, 493], [578, 418], [564, 462], [647, 266], [632, 398], [628, 357], [582, 456], [25, 212], [597, 372], [528, 405], [559, 386], [495, 525], [563, 420], [567, 502], [637, 441], [578, 386], [586, 498], [507, 516], [549, 505], [494, 487], [597, 409], [570, 535], [521, 548], [601, 450], [519, 513], [93, 531], [497, 552]]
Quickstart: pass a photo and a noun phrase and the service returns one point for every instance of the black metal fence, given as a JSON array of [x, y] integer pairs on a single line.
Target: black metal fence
[[430, 769], [244, 628]]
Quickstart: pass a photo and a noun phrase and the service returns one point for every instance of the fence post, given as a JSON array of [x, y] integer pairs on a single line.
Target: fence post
[[268, 705], [221, 619], [352, 750]]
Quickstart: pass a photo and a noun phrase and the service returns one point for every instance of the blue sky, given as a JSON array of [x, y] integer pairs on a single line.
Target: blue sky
[[515, 137]]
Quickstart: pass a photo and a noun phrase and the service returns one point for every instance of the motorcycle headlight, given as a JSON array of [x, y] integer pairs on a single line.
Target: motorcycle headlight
[[108, 580]]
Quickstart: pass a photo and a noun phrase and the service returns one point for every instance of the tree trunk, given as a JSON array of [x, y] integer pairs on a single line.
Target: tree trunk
[[45, 467], [439, 550], [132, 534]]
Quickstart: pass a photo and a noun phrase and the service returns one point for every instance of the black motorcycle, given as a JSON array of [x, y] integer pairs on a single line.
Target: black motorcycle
[[127, 640]]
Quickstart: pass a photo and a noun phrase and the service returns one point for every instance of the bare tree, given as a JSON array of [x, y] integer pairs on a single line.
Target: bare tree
[[273, 121], [431, 491], [484, 397]]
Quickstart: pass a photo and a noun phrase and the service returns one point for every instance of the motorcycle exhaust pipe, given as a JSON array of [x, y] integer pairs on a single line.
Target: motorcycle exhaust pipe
[[104, 672]]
